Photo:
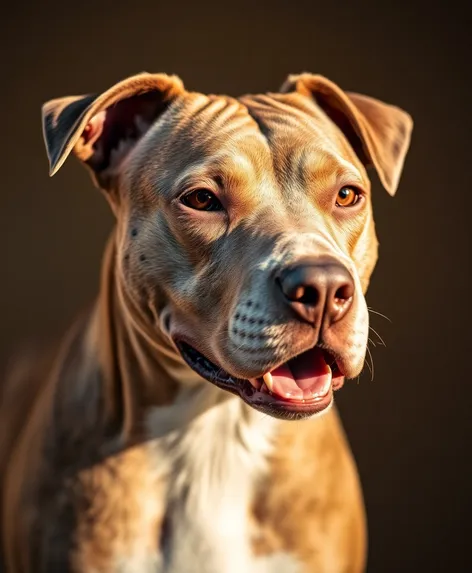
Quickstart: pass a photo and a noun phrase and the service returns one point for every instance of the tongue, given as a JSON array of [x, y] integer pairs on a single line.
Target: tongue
[[305, 377]]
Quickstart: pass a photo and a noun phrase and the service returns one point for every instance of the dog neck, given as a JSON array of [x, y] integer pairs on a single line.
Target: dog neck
[[141, 371]]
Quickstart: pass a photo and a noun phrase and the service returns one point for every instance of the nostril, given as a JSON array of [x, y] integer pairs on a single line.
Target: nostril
[[296, 292], [341, 301], [310, 295], [344, 293]]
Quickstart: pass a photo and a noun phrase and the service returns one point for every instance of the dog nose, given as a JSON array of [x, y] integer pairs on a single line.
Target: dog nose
[[318, 290]]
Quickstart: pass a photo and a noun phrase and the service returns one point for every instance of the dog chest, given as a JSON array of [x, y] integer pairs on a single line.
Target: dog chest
[[212, 467]]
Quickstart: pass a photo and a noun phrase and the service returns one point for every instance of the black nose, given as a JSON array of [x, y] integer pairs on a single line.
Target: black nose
[[318, 290]]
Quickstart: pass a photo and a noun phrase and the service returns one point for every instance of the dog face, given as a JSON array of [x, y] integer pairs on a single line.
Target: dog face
[[244, 226]]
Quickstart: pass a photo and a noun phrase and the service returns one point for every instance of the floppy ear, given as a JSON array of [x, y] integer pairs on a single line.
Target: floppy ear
[[379, 133], [103, 129]]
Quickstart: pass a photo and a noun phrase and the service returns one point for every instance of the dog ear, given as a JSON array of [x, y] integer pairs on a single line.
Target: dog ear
[[103, 129], [379, 133]]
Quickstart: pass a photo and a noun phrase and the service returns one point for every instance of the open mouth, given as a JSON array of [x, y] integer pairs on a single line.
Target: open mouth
[[298, 388]]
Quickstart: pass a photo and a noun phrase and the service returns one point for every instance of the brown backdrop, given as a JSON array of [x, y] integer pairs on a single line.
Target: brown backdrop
[[410, 426]]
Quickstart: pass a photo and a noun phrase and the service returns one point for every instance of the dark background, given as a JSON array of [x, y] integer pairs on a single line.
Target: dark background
[[410, 427]]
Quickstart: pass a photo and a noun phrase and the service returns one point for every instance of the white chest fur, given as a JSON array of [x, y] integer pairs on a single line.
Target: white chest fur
[[212, 462]]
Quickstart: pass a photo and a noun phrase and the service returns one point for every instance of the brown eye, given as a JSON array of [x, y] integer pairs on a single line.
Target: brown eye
[[347, 197], [202, 200]]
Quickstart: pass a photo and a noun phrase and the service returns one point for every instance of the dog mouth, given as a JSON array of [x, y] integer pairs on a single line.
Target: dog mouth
[[298, 388]]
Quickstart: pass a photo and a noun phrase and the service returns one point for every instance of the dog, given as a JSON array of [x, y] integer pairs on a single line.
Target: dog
[[186, 422]]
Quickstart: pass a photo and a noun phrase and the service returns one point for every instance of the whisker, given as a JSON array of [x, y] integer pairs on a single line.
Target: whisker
[[372, 361], [372, 342], [378, 335], [379, 313]]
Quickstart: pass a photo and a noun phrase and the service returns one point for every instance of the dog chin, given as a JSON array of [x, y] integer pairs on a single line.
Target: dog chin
[[301, 387]]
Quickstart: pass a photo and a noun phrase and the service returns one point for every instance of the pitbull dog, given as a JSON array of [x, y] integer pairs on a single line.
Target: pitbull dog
[[185, 425]]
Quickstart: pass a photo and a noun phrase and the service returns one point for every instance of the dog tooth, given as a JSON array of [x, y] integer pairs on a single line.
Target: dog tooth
[[269, 382]]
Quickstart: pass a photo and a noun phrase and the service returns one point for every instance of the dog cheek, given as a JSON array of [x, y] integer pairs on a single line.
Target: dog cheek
[[358, 337], [364, 254]]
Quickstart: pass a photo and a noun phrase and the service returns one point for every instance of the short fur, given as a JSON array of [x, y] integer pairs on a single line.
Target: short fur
[[115, 455]]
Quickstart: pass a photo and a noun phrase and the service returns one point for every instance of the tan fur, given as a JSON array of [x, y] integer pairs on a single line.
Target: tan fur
[[322, 494], [122, 513], [118, 456]]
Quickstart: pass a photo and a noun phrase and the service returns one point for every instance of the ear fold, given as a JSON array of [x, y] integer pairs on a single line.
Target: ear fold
[[379, 133], [103, 129]]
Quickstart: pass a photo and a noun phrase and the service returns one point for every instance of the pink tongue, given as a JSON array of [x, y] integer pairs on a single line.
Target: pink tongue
[[308, 376]]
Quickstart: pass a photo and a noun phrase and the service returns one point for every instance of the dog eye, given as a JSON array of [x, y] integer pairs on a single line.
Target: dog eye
[[202, 200], [347, 197]]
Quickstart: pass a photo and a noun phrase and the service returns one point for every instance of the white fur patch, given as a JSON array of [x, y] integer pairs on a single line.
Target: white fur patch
[[212, 461]]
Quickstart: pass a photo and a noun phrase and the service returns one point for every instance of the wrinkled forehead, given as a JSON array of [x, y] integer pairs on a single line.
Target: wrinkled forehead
[[270, 140], [301, 137]]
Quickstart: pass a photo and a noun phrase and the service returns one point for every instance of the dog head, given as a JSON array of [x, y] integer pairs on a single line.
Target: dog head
[[244, 226]]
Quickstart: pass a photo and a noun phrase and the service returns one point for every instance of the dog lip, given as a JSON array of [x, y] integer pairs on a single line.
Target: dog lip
[[247, 391], [285, 408], [202, 365]]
